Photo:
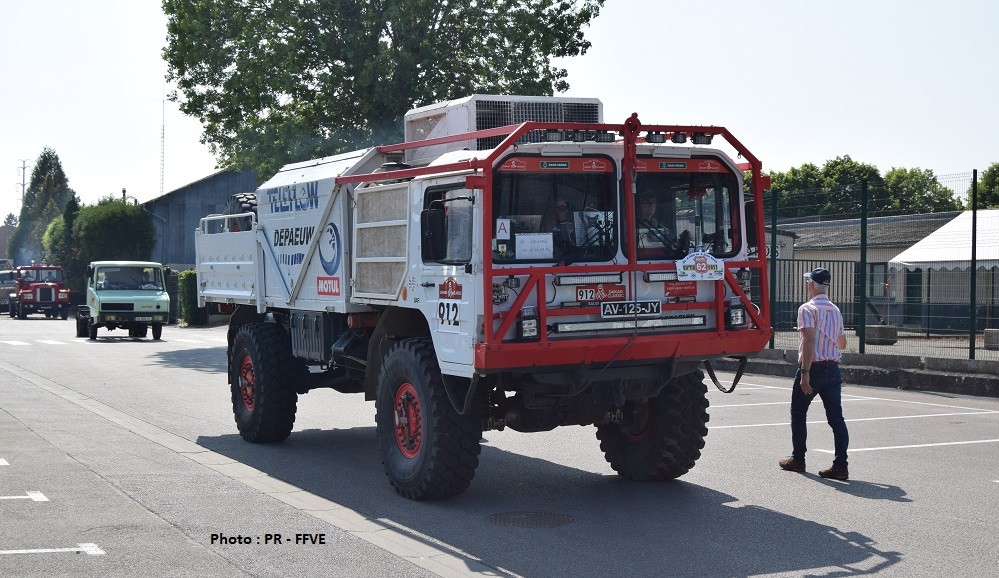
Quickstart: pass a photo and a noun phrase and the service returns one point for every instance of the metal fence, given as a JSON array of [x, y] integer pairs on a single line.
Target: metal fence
[[917, 306]]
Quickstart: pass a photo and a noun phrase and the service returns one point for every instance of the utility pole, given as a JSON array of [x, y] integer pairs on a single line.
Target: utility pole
[[24, 178]]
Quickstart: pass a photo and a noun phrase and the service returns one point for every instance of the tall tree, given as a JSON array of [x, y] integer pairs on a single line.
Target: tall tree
[[988, 188], [112, 230], [44, 200], [843, 180], [275, 81], [918, 191], [10, 220]]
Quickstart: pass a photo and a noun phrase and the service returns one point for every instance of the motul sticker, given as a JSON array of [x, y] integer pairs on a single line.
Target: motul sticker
[[449, 289], [328, 286], [601, 292], [699, 267]]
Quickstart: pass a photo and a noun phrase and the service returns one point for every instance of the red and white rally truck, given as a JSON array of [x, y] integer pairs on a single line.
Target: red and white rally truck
[[39, 289], [517, 262]]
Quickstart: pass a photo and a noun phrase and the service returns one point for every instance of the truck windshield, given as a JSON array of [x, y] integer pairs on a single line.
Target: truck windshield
[[552, 209], [129, 278], [679, 211], [41, 275]]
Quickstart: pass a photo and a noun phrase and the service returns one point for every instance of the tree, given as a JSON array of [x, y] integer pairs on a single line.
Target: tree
[[112, 230], [988, 188], [843, 180], [799, 190], [44, 200], [61, 248], [912, 191], [10, 220], [275, 81]]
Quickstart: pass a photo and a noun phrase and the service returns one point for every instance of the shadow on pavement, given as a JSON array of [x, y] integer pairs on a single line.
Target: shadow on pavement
[[209, 359], [869, 490], [599, 524]]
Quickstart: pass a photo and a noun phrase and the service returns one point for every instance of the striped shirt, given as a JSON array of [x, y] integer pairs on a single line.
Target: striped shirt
[[820, 313]]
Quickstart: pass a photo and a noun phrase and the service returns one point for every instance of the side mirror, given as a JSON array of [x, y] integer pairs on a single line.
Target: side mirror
[[433, 234], [90, 270]]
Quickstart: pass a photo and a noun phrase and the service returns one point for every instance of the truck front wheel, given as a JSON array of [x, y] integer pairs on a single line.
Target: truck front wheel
[[157, 331], [662, 438], [264, 399], [91, 329], [21, 313], [428, 449]]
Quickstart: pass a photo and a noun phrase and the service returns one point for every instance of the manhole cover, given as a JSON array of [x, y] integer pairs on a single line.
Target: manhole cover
[[531, 519]]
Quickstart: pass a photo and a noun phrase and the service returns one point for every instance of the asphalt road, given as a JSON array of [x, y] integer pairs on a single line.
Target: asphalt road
[[120, 457]]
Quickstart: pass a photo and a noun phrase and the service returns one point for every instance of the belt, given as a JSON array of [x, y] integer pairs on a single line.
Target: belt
[[825, 362]]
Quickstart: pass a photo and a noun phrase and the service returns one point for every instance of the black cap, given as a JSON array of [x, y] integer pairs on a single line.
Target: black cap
[[819, 275]]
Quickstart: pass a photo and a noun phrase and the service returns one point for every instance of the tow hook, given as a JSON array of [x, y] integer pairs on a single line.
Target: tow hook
[[738, 374]]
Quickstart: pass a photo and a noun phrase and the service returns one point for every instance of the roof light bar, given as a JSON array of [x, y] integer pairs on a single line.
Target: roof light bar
[[679, 138], [562, 280], [655, 137], [701, 138]]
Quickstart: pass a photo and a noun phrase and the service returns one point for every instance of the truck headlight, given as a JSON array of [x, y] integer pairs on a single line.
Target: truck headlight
[[736, 317], [527, 324]]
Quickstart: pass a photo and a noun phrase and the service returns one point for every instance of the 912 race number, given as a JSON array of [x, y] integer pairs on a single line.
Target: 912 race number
[[447, 315]]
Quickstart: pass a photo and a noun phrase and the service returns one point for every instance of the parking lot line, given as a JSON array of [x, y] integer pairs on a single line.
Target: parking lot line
[[854, 395], [914, 446], [15, 342], [4, 462], [787, 403], [786, 423], [33, 496], [88, 549], [50, 342]]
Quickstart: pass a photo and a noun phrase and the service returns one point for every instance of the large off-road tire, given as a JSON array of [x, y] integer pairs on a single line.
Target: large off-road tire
[[264, 399], [428, 449], [241, 203], [662, 438], [157, 331]]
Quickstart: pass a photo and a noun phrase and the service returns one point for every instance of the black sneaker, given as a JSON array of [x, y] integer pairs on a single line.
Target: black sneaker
[[835, 473], [792, 465]]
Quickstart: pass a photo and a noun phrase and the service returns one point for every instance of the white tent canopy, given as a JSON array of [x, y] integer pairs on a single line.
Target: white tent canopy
[[949, 247]]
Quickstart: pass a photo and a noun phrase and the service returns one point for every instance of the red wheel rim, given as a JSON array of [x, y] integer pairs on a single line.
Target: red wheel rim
[[408, 416], [638, 427], [246, 381]]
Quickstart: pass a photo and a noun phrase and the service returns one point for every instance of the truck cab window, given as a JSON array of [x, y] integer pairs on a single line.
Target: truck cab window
[[447, 236], [678, 212], [549, 210]]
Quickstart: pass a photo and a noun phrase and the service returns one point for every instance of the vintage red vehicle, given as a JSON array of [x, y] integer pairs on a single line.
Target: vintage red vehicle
[[39, 289]]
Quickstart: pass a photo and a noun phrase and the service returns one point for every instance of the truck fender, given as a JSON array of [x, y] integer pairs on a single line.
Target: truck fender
[[242, 315], [393, 324]]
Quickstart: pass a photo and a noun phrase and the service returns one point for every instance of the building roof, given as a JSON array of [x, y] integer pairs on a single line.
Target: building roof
[[949, 247], [895, 231]]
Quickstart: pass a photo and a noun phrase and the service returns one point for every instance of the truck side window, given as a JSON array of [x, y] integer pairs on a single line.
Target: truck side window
[[457, 208]]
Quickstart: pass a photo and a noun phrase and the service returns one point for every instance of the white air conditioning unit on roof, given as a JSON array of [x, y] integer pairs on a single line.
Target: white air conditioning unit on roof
[[481, 112]]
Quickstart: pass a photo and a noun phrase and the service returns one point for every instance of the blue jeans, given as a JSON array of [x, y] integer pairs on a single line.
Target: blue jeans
[[826, 382]]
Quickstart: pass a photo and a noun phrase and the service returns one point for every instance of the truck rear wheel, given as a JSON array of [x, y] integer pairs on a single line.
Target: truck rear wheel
[[264, 400], [662, 438], [428, 449]]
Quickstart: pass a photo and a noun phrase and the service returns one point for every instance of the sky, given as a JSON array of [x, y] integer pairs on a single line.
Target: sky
[[891, 83]]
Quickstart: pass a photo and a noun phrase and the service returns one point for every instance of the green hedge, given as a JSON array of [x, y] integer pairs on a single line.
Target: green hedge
[[189, 310]]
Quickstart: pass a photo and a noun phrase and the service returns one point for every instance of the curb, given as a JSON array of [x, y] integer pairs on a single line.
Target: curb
[[965, 377]]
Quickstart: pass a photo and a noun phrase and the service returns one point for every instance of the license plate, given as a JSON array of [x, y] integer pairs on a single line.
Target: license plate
[[630, 308], [143, 318]]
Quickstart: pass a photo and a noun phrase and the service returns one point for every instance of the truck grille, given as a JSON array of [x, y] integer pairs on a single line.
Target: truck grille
[[117, 306], [44, 295]]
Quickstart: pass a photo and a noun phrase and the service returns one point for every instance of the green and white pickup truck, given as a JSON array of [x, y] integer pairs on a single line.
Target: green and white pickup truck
[[124, 295]]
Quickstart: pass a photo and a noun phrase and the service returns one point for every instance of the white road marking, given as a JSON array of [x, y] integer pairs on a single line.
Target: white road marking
[[787, 403], [853, 395], [33, 496], [186, 340], [914, 446], [50, 342], [787, 423], [88, 549], [15, 342], [4, 462]]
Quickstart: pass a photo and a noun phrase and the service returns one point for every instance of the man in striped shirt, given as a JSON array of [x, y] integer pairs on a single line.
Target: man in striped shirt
[[822, 343]]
